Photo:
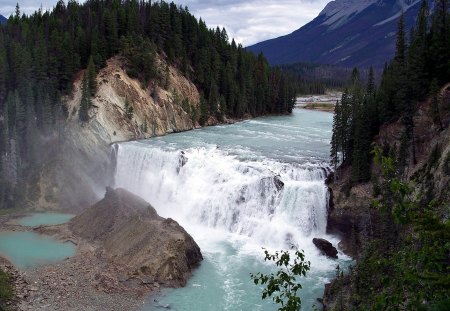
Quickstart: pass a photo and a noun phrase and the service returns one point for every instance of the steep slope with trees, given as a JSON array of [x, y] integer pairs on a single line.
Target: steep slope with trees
[[43, 54], [393, 214]]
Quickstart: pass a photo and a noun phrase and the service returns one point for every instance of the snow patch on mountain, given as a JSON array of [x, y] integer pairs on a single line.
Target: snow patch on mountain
[[405, 6], [340, 10]]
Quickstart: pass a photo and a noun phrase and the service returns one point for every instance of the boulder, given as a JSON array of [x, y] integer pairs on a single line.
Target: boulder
[[326, 248], [130, 232], [278, 183]]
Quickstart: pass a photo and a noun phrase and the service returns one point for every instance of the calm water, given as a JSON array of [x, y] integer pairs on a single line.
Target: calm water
[[223, 185], [28, 249], [39, 219]]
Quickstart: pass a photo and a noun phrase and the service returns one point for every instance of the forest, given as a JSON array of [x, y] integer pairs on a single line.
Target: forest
[[313, 78], [42, 53], [419, 69], [403, 253]]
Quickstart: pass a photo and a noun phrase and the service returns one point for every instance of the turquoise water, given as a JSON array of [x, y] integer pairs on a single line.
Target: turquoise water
[[28, 249], [39, 219], [303, 136], [223, 282], [220, 184]]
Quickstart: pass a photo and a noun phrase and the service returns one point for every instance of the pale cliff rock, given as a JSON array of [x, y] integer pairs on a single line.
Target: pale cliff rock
[[161, 109]]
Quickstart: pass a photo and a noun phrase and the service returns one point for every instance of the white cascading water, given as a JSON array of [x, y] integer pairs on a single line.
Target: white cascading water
[[235, 189], [272, 202]]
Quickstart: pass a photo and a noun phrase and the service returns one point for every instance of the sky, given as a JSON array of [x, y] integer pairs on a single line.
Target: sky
[[248, 21]]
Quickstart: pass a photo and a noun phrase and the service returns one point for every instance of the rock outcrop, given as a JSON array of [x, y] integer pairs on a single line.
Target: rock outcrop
[[80, 160], [130, 232], [326, 247], [427, 170], [156, 110], [350, 214]]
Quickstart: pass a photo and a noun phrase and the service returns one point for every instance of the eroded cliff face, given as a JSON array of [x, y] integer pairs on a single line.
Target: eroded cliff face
[[77, 175], [427, 168], [156, 111]]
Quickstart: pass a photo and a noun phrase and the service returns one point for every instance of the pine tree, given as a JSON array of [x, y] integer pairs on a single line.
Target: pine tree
[[335, 138], [20, 122], [440, 41], [435, 103], [128, 109], [204, 112], [417, 55], [85, 103], [371, 82], [91, 77], [400, 70]]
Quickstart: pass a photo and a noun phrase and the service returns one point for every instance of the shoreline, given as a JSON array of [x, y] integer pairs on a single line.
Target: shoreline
[[316, 107], [86, 281]]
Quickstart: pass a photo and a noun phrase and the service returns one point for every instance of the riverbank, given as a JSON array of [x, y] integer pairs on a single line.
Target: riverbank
[[319, 107], [324, 102], [87, 281]]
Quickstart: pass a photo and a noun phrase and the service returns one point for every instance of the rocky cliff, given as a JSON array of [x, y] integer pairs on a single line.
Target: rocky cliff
[[130, 232], [351, 216], [76, 177]]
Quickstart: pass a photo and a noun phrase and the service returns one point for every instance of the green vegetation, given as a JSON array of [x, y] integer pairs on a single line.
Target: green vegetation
[[404, 262], [317, 79], [282, 286], [406, 267], [6, 289], [128, 110], [417, 71], [41, 55]]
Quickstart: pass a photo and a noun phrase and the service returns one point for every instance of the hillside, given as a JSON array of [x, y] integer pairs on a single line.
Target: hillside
[[3, 19], [346, 33], [93, 73], [391, 187], [396, 250]]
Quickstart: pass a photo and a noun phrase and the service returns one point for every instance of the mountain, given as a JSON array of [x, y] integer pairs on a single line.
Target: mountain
[[346, 33], [3, 19]]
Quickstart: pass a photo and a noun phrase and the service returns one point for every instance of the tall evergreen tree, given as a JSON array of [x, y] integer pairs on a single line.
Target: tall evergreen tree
[[417, 54], [85, 103], [91, 76]]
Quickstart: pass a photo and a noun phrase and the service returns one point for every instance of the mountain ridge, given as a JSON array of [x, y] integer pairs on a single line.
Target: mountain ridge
[[346, 33], [3, 19]]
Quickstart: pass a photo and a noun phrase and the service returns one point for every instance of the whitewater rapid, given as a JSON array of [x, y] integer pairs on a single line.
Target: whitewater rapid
[[270, 201]]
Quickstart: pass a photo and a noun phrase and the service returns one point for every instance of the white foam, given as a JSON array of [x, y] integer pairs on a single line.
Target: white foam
[[217, 190]]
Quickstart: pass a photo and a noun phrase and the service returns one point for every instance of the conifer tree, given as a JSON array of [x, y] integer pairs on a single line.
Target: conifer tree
[[85, 100], [440, 40], [435, 103], [399, 69], [91, 76], [335, 138], [417, 54]]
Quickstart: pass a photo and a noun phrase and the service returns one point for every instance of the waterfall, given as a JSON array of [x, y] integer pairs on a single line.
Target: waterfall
[[270, 201]]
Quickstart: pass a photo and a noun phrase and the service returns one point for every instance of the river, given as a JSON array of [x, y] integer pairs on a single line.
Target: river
[[235, 189]]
